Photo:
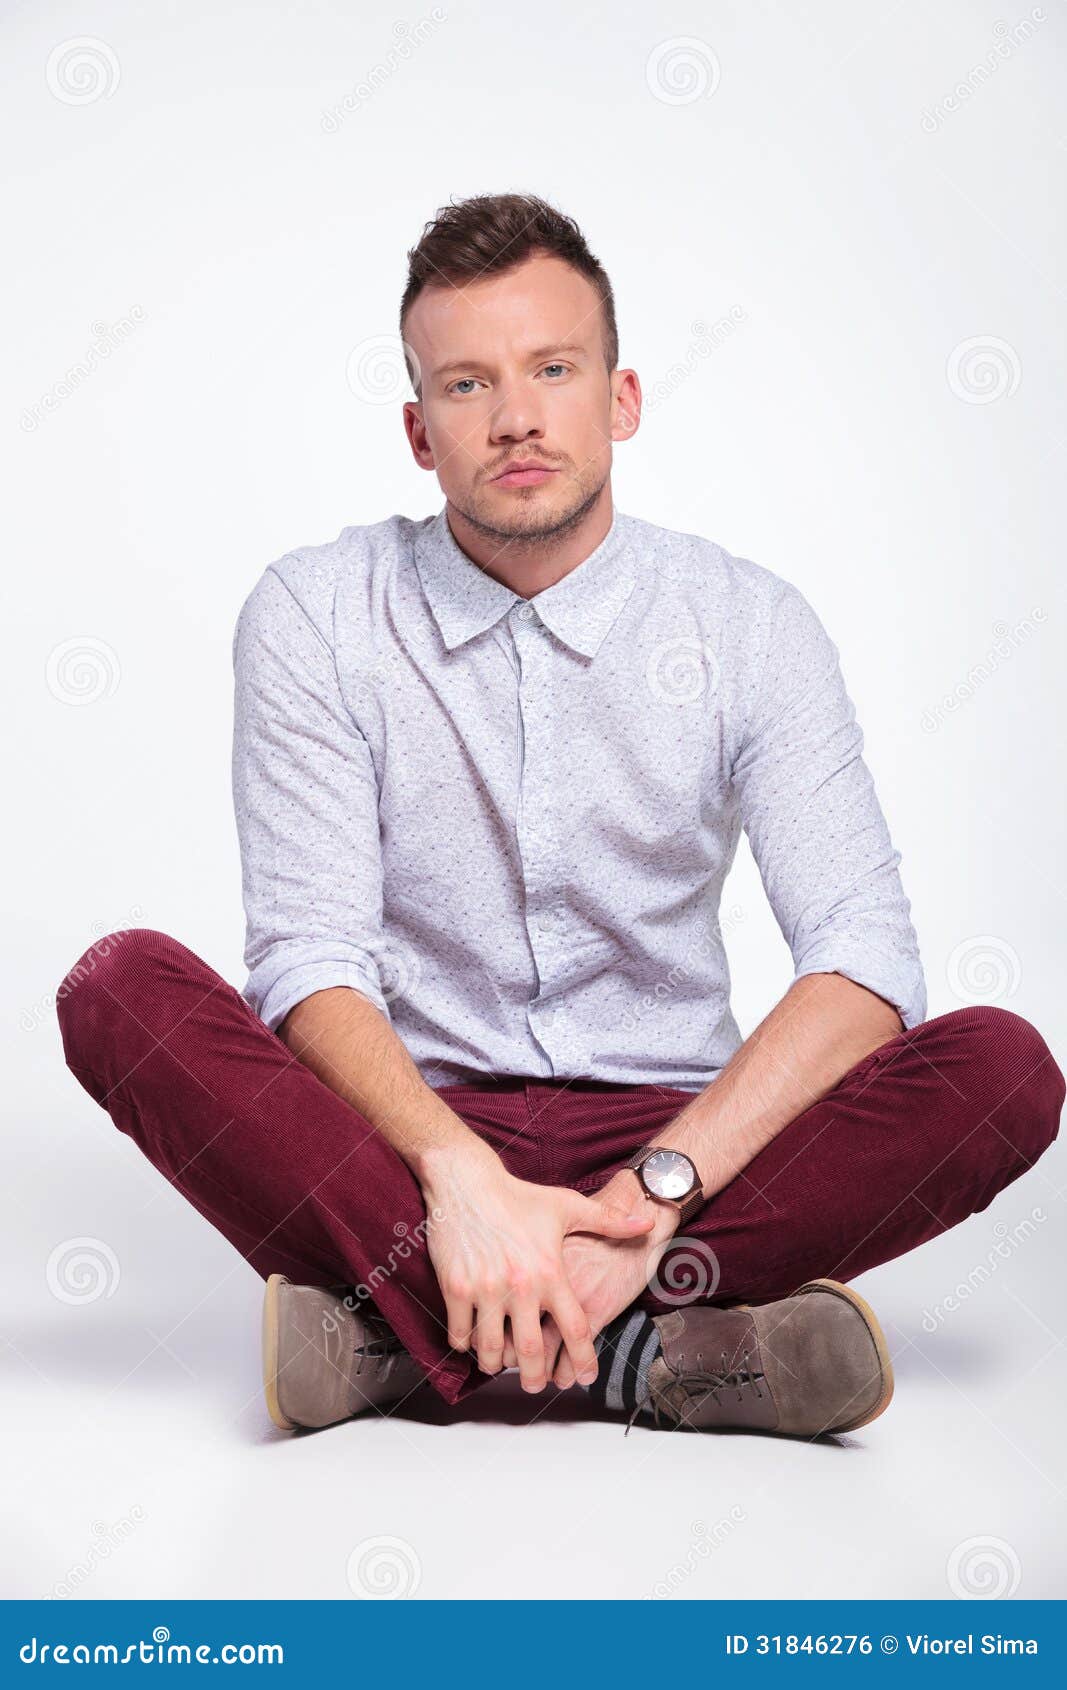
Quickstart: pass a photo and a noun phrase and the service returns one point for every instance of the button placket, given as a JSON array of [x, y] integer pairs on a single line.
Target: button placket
[[540, 840]]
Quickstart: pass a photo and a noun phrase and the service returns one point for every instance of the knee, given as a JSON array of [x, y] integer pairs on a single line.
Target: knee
[[103, 977], [1026, 1086], [104, 963]]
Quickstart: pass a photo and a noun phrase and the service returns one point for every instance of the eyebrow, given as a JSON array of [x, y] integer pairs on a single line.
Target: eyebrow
[[538, 352]]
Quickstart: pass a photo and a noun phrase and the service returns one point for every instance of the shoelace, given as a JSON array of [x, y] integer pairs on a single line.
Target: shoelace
[[697, 1384], [382, 1346]]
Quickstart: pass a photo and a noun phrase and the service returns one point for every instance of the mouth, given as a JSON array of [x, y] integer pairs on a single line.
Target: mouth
[[520, 474]]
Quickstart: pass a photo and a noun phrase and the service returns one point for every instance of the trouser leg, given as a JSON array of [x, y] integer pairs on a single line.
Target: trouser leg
[[922, 1133], [295, 1178]]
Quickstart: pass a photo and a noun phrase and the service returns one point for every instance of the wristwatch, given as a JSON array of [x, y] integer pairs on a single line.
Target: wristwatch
[[668, 1176]]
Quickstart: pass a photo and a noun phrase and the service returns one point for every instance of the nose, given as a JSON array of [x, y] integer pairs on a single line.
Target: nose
[[517, 417]]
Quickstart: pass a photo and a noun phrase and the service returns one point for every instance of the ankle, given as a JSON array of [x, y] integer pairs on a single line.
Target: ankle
[[626, 1349]]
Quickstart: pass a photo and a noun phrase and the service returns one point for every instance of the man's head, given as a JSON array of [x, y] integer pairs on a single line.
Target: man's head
[[508, 324]]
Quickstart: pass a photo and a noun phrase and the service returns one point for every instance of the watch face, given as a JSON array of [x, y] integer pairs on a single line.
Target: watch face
[[669, 1174]]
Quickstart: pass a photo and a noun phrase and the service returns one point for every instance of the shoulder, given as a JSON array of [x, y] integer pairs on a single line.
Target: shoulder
[[746, 599], [303, 583]]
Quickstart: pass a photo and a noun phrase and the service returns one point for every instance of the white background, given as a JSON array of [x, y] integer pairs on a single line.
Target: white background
[[793, 170]]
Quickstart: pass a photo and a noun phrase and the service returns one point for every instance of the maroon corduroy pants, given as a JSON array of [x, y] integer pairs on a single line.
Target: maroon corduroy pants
[[917, 1136]]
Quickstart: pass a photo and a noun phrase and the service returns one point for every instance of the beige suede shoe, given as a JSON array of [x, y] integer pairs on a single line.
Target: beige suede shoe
[[813, 1362], [324, 1361]]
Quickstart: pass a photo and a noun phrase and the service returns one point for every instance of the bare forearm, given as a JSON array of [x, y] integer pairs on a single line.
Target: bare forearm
[[348, 1043], [820, 1029]]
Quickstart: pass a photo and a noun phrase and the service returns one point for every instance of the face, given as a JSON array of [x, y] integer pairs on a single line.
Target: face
[[513, 371]]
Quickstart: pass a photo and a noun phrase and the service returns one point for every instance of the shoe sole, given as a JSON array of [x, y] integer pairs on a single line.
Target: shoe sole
[[870, 1319], [271, 1325]]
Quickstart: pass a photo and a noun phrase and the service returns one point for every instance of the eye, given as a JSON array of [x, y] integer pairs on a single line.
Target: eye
[[562, 367], [467, 381]]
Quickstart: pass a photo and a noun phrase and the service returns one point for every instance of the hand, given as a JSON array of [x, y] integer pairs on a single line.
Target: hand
[[497, 1251], [606, 1274]]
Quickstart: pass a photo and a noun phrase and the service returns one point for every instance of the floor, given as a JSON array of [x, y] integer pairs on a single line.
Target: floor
[[142, 1462]]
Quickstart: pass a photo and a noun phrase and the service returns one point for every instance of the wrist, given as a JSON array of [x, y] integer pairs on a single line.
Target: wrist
[[626, 1188], [670, 1178], [462, 1156]]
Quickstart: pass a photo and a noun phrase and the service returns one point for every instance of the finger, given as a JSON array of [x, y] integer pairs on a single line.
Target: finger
[[460, 1311], [510, 1358], [574, 1328], [553, 1342], [608, 1221], [489, 1335], [525, 1316], [563, 1378]]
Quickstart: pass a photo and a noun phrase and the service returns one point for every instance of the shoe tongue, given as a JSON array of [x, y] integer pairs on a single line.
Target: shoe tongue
[[670, 1325], [379, 1335], [660, 1377]]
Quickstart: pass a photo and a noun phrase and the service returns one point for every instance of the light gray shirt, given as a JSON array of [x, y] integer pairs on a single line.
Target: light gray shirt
[[507, 822]]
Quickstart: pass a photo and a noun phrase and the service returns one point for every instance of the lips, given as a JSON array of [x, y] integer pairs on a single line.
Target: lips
[[524, 474]]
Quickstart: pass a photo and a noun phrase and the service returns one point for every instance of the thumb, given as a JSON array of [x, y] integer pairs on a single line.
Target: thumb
[[611, 1221]]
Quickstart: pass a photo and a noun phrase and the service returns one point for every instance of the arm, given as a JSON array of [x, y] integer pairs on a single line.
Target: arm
[[808, 806], [325, 1031], [822, 1027], [305, 797], [306, 801], [495, 1241], [820, 841]]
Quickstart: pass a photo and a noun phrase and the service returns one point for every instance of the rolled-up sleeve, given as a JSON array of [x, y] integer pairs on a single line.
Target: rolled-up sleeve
[[813, 820], [306, 803]]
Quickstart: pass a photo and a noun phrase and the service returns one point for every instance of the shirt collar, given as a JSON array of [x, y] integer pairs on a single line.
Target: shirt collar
[[580, 610]]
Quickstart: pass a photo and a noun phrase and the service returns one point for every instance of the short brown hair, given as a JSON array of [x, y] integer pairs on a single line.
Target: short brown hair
[[490, 233]]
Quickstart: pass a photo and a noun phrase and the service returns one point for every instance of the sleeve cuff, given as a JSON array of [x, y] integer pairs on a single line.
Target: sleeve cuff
[[900, 982], [273, 999]]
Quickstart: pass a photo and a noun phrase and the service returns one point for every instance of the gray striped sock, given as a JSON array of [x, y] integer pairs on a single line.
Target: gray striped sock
[[625, 1350]]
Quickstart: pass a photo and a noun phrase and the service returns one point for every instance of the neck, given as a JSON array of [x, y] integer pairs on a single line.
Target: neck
[[528, 563]]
